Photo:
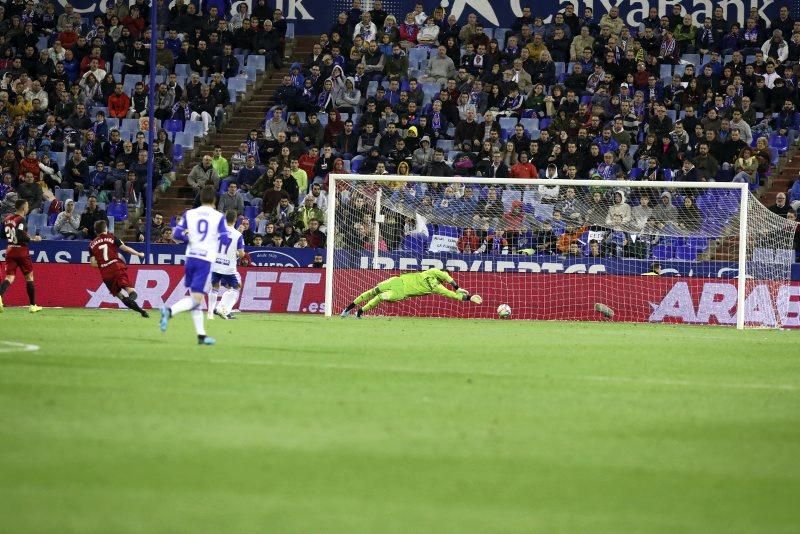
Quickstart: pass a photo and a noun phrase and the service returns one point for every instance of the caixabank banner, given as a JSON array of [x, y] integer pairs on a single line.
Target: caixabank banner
[[312, 17]]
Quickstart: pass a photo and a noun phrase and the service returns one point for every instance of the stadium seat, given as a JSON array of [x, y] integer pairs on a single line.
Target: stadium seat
[[251, 212], [779, 142], [530, 124], [194, 128], [258, 61], [60, 158], [177, 153], [662, 252], [289, 31], [186, 140], [543, 212], [239, 83], [666, 71], [182, 69], [111, 221], [251, 72], [415, 55], [445, 144], [118, 209], [507, 123], [686, 253], [173, 126], [691, 59], [65, 194]]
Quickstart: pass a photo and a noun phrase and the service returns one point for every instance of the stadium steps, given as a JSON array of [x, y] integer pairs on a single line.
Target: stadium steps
[[245, 116], [781, 181]]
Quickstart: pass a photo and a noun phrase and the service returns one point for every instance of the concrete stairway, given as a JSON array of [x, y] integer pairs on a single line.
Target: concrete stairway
[[245, 116]]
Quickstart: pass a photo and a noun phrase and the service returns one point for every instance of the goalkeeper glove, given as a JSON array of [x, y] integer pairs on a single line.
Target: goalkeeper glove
[[462, 291], [476, 299]]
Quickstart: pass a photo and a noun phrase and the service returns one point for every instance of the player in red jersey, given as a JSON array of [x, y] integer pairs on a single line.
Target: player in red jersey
[[105, 255], [17, 254]]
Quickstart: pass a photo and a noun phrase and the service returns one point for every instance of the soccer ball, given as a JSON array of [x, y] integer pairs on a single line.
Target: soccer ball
[[504, 311]]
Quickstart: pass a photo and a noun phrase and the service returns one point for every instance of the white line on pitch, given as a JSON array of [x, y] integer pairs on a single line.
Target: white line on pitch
[[13, 346]]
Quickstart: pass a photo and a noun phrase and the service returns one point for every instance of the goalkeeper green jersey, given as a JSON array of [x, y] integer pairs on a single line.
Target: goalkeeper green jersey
[[425, 282]]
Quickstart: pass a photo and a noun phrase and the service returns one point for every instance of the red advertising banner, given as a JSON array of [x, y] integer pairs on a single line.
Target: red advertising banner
[[80, 286], [530, 295], [572, 297]]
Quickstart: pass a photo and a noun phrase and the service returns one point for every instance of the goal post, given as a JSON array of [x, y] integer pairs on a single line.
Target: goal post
[[559, 249]]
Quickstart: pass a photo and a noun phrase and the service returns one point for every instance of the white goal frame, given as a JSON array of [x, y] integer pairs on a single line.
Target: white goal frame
[[743, 189]]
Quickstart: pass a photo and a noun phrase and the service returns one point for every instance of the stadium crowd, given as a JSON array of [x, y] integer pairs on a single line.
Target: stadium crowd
[[579, 97], [411, 93], [74, 99]]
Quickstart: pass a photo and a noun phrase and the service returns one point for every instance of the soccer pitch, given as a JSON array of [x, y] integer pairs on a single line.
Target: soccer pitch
[[303, 424]]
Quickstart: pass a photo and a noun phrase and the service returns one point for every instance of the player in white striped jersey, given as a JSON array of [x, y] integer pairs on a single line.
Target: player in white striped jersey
[[223, 272], [205, 230]]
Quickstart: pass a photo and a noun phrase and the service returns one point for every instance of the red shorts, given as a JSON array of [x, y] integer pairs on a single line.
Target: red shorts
[[116, 278], [18, 258]]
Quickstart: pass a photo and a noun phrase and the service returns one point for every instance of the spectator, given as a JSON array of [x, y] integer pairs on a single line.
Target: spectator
[[203, 174], [166, 237], [314, 236], [29, 190], [91, 215], [231, 200], [67, 223], [781, 207], [220, 164]]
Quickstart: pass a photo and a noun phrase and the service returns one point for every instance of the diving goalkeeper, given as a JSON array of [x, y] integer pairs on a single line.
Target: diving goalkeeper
[[410, 285]]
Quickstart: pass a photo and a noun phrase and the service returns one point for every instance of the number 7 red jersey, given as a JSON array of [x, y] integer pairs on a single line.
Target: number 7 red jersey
[[105, 250]]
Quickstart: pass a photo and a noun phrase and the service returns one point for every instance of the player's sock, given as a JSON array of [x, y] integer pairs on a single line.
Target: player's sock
[[350, 307], [183, 305], [4, 286], [31, 293], [197, 319], [131, 303], [212, 302], [229, 299], [360, 312]]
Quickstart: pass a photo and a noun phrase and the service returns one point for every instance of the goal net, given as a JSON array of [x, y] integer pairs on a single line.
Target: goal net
[[581, 250]]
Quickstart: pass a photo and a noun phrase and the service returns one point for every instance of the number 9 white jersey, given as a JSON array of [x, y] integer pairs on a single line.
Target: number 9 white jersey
[[227, 255], [203, 226]]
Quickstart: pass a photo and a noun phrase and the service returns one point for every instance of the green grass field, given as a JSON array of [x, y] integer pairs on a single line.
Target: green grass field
[[302, 424]]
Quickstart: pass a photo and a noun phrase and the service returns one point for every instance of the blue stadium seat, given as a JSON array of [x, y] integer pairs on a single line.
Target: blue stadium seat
[[258, 61], [60, 158], [239, 83], [64, 194], [252, 73], [289, 30], [194, 128], [185, 140], [663, 252], [530, 124], [415, 55], [173, 126], [111, 221], [666, 71], [182, 69], [507, 123]]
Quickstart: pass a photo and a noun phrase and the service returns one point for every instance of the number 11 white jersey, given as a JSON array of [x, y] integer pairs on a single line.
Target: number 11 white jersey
[[227, 255], [204, 226]]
